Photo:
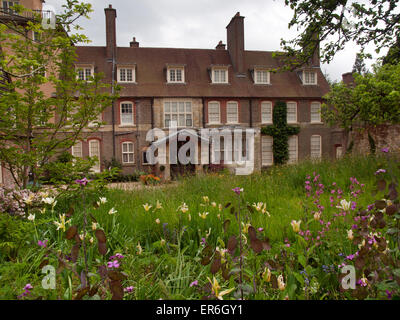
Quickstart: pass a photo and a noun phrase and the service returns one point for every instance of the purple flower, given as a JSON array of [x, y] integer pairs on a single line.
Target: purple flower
[[28, 287], [237, 190], [203, 241], [42, 244], [194, 283], [380, 171], [83, 182], [385, 150], [113, 264], [260, 229], [128, 289], [389, 294]]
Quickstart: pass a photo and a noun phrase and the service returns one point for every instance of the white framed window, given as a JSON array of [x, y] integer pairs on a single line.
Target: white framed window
[[126, 75], [293, 149], [214, 114], [176, 75], [266, 112], [178, 113], [76, 149], [316, 147], [261, 76], [128, 153], [126, 113], [316, 112], [291, 112], [85, 72], [94, 151], [7, 6], [309, 77], [232, 112], [219, 75], [267, 154]]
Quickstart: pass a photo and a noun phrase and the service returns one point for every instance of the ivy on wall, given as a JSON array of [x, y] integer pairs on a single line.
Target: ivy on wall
[[280, 132]]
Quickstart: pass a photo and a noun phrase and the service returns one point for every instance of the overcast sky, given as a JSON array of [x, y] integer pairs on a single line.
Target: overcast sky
[[200, 24]]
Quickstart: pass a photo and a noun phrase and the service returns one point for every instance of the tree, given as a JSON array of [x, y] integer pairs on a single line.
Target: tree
[[393, 55], [36, 126], [373, 100], [359, 64], [337, 22]]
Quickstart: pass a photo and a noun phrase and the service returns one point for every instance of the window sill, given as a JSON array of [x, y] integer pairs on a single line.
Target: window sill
[[126, 126], [127, 82], [128, 164], [184, 83], [266, 123], [316, 122], [293, 122], [220, 83], [262, 84]]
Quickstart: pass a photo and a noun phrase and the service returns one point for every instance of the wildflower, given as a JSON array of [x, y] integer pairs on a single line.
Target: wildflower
[[81, 236], [50, 201], [94, 226], [203, 241], [194, 283], [62, 223], [42, 211], [281, 283], [102, 200], [43, 244], [147, 207], [245, 227], [208, 233], [183, 208], [139, 247], [203, 215], [206, 199], [113, 264], [162, 242], [344, 205], [296, 225], [237, 190], [350, 235], [260, 229], [31, 217], [317, 216], [29, 199], [220, 207], [158, 205], [380, 171], [266, 275], [128, 289], [363, 282], [389, 294], [216, 287], [83, 182], [91, 240], [158, 221], [112, 211], [258, 206], [385, 150], [214, 204]]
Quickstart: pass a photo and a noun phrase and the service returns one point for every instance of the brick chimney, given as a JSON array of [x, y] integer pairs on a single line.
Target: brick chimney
[[235, 41], [134, 43], [220, 46], [111, 37], [348, 78]]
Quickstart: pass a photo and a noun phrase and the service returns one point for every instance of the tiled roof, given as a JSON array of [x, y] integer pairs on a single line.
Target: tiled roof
[[151, 66]]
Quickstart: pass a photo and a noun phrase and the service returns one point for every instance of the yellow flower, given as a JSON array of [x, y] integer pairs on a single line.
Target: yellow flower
[[94, 226], [29, 199], [203, 215], [296, 225], [317, 216], [91, 240], [162, 242], [266, 275], [216, 287], [183, 208], [62, 223], [206, 199], [158, 205], [350, 234], [245, 227], [344, 205], [139, 247], [158, 221], [281, 283], [220, 207], [147, 207], [258, 206]]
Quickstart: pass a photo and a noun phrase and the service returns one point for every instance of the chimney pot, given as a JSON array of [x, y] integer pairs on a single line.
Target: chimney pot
[[134, 43], [220, 46]]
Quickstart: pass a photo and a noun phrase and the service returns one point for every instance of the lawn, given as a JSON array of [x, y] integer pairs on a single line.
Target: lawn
[[281, 237]]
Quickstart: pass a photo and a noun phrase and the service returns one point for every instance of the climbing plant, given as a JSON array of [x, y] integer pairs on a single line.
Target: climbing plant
[[280, 132]]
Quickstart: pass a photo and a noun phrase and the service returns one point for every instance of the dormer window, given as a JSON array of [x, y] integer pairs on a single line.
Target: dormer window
[[261, 76], [219, 75], [309, 77], [175, 75], [126, 74], [85, 72]]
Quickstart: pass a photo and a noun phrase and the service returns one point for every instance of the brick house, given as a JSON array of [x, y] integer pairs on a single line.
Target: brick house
[[224, 87], [203, 88]]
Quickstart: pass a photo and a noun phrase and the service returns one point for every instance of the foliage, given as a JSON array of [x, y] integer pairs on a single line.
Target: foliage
[[36, 126], [337, 22], [374, 100], [280, 132], [359, 65], [149, 179]]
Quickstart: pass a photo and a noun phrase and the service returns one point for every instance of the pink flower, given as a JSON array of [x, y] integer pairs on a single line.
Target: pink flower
[[128, 289], [237, 190], [42, 244], [113, 264], [194, 283], [385, 150], [83, 182]]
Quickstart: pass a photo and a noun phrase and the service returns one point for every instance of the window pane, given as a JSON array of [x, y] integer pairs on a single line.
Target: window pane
[[167, 107], [315, 112], [291, 112], [293, 140], [266, 112], [266, 150], [232, 112], [315, 147]]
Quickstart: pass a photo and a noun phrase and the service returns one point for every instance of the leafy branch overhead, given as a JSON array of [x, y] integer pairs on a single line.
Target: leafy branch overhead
[[337, 22]]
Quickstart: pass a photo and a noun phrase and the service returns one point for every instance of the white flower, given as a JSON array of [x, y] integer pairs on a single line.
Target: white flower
[[102, 200], [317, 215], [203, 215], [296, 225], [344, 205], [158, 221], [281, 283], [50, 200], [183, 207], [350, 235], [158, 205], [147, 207], [112, 211], [28, 200], [31, 217]]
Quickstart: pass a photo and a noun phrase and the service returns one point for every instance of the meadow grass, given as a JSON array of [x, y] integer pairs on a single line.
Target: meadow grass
[[281, 188]]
